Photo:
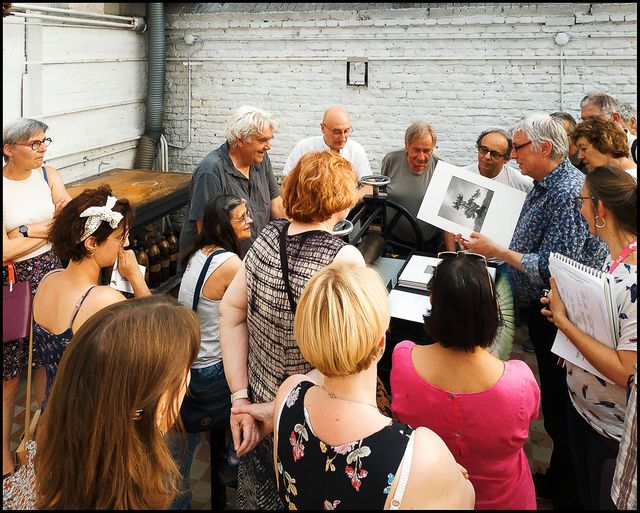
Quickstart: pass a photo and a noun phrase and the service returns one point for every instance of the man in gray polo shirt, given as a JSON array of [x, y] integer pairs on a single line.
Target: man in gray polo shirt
[[240, 166]]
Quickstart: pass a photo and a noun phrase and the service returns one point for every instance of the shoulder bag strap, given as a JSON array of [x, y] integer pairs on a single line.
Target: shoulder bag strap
[[203, 273], [404, 474], [27, 412], [44, 175], [285, 267]]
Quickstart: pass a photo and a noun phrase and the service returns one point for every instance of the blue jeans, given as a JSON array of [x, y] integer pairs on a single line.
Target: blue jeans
[[209, 399]]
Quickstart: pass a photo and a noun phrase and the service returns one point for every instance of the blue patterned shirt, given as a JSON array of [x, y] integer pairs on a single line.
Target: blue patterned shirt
[[551, 221]]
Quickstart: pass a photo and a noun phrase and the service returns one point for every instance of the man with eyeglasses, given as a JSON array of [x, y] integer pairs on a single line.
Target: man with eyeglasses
[[494, 153], [550, 221], [336, 131], [240, 166]]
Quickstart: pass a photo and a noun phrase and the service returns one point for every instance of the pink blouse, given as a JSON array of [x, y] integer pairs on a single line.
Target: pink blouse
[[485, 431]]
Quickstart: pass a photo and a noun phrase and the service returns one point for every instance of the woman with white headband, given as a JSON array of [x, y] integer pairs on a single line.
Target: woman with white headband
[[90, 232]]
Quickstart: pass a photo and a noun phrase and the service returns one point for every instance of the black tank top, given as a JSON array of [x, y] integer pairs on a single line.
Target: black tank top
[[316, 475]]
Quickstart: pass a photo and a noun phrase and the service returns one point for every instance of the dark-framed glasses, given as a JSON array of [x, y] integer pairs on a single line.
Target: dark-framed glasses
[[580, 200], [337, 132], [495, 155], [34, 145], [518, 147]]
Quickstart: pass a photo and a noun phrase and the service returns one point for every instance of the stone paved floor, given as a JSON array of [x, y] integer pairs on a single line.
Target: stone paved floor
[[538, 448]]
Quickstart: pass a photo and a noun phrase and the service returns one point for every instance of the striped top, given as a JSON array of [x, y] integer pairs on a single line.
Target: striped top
[[273, 352]]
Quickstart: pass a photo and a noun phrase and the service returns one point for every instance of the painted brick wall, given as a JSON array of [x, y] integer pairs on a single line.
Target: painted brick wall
[[460, 68]]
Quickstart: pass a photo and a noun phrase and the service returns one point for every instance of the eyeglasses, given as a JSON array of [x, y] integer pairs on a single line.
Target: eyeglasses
[[34, 145], [337, 132], [518, 147], [580, 200], [244, 218], [495, 155]]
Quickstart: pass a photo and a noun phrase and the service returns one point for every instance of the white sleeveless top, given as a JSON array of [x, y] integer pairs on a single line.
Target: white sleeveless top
[[24, 202], [210, 352]]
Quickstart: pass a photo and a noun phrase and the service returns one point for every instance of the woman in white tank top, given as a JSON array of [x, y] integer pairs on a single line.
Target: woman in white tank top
[[31, 194], [210, 264]]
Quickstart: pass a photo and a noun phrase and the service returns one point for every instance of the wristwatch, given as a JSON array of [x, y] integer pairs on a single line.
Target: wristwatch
[[23, 230]]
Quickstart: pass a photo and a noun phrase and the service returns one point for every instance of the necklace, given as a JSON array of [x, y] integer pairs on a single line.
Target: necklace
[[333, 396]]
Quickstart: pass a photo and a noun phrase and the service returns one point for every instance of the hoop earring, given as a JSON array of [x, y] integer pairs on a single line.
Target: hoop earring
[[92, 253], [604, 222]]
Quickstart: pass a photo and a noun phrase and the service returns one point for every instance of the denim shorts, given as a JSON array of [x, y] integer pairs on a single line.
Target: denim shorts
[[207, 404]]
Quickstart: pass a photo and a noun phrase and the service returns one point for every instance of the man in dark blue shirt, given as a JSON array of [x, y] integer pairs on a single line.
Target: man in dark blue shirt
[[550, 221], [240, 166]]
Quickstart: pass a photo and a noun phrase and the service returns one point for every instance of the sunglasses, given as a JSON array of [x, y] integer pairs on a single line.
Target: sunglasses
[[452, 254], [473, 256]]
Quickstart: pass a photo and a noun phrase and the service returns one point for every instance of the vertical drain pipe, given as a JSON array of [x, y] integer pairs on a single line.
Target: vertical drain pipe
[[156, 71], [561, 39]]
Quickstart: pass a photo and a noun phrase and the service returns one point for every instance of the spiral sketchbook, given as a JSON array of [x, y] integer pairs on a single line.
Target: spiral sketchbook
[[587, 295]]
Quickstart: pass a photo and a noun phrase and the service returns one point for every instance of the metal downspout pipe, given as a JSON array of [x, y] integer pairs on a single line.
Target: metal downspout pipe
[[156, 70]]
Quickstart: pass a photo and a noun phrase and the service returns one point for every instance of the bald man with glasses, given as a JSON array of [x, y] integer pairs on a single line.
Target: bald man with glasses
[[336, 131]]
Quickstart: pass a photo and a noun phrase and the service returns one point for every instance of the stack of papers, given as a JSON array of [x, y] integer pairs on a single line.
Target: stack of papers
[[418, 271]]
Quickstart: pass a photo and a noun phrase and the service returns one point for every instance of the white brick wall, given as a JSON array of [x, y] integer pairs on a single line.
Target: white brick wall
[[460, 68]]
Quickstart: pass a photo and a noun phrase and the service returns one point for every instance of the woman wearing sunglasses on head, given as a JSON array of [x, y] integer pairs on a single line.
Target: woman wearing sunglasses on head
[[480, 405], [90, 232], [31, 193], [609, 204]]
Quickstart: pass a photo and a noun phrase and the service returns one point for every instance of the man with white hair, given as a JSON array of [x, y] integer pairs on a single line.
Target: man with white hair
[[336, 129], [240, 166], [550, 220]]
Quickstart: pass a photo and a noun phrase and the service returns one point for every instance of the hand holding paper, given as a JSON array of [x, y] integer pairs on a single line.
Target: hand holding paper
[[123, 269]]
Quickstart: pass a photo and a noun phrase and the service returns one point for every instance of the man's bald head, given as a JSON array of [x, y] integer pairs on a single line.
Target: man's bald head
[[335, 127]]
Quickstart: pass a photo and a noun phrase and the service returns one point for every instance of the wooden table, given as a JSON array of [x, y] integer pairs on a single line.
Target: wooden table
[[154, 194]]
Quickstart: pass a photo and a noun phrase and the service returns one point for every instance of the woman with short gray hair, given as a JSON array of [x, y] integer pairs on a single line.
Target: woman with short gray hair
[[31, 193]]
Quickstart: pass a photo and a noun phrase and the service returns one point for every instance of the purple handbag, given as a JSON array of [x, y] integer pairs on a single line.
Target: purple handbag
[[16, 307]]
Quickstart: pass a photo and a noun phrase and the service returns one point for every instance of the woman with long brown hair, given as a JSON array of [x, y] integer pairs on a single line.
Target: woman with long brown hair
[[100, 443]]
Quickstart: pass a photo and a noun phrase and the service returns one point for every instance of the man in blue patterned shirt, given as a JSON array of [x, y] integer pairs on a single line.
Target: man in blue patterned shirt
[[550, 221]]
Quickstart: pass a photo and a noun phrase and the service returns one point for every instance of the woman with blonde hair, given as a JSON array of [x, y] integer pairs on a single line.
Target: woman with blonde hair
[[333, 448], [601, 142], [259, 350], [100, 444]]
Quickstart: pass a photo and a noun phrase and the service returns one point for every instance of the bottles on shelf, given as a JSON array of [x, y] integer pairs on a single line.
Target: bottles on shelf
[[143, 259], [165, 258], [155, 265], [172, 239], [158, 254]]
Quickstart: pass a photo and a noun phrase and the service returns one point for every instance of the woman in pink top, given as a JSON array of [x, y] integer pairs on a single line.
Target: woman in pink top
[[479, 405]]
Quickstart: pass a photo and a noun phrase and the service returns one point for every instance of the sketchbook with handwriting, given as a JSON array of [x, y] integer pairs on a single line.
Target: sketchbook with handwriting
[[587, 295]]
